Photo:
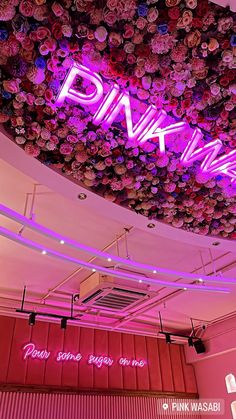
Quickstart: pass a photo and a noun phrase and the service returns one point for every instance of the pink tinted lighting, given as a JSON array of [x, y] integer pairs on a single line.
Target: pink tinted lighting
[[149, 125], [31, 352]]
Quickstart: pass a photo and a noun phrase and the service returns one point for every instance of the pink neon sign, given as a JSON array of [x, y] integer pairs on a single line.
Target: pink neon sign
[[149, 126], [30, 351]]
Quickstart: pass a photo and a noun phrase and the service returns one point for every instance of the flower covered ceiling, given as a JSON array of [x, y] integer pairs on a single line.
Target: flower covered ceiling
[[179, 56]]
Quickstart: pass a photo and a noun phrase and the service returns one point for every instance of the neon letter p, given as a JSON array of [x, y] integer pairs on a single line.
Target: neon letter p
[[68, 92]]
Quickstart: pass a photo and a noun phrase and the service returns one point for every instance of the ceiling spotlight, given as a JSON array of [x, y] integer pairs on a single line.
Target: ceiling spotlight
[[82, 196], [32, 319], [63, 323], [62, 242], [140, 280], [190, 341], [168, 338], [44, 252], [94, 270], [200, 280], [151, 225], [154, 271], [109, 259], [185, 289]]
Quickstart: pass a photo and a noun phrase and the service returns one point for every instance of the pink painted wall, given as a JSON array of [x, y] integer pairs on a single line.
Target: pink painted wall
[[219, 360], [166, 369], [210, 376]]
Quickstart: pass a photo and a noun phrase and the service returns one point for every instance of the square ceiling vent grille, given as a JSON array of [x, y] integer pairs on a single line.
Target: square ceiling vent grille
[[114, 298]]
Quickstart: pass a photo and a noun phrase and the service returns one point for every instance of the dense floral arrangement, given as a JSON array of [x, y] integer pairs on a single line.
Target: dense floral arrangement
[[177, 54]]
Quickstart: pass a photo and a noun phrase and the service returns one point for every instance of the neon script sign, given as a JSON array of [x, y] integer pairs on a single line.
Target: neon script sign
[[151, 125], [30, 351]]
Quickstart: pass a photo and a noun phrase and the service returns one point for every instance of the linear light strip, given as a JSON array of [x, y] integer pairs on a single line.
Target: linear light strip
[[9, 213], [35, 246]]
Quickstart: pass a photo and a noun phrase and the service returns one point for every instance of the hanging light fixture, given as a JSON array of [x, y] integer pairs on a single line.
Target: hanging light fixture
[[32, 317], [63, 323]]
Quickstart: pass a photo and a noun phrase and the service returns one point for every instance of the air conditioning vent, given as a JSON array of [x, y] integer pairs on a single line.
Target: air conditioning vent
[[102, 292]]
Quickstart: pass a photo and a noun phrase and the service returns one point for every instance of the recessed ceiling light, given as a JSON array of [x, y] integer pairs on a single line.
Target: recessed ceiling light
[[185, 289], [94, 270], [140, 281], [151, 225], [62, 242], [200, 280], [44, 252], [109, 259], [154, 271], [82, 196]]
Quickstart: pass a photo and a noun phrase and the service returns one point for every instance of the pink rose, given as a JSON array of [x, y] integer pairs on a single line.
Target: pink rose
[[115, 39], [185, 20], [66, 149], [27, 44], [110, 17], [129, 31], [191, 4], [27, 8], [11, 86], [141, 23], [41, 13], [42, 33], [81, 157], [57, 9], [112, 4], [72, 139], [3, 118], [32, 150], [152, 14], [193, 39], [100, 33]]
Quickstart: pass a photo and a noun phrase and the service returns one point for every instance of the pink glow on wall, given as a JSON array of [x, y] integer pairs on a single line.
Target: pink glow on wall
[[149, 125]]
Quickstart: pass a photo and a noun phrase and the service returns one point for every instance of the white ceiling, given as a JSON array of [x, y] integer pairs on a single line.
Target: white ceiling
[[84, 222]]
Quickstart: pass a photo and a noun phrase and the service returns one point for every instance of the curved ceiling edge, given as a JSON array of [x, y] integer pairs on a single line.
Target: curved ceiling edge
[[15, 156]]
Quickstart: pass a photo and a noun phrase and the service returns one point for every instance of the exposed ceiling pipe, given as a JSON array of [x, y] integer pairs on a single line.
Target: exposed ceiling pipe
[[156, 302], [69, 277], [115, 241]]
